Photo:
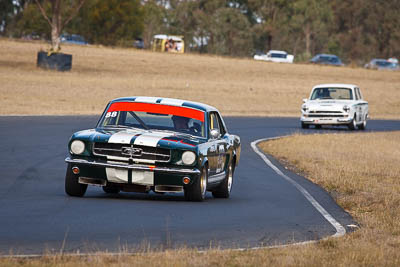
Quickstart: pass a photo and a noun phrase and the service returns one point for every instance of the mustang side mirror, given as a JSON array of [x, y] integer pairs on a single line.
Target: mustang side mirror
[[304, 100], [214, 133]]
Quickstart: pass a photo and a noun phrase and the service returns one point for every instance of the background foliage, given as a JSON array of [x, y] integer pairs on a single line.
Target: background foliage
[[356, 30]]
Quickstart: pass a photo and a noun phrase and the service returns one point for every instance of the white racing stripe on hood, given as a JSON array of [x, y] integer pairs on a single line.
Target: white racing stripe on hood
[[123, 137], [150, 139]]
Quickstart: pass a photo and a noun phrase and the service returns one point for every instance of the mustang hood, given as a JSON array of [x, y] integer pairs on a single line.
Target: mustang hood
[[152, 138]]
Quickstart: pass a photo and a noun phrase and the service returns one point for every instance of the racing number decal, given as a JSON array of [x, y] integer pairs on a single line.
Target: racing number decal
[[111, 114]]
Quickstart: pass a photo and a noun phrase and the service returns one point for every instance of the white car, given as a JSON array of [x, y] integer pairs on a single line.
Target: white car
[[275, 56], [335, 104]]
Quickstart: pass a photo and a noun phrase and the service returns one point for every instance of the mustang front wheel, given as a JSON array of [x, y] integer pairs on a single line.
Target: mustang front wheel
[[197, 190], [72, 186], [224, 189]]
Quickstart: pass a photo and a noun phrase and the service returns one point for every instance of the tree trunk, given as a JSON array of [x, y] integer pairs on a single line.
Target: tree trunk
[[56, 26], [307, 33], [269, 42], [55, 39], [56, 22]]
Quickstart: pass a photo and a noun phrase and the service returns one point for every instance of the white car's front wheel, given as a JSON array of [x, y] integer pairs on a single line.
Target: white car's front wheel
[[353, 124], [363, 125], [305, 125]]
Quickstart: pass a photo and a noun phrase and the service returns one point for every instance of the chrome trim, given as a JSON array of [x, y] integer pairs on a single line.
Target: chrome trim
[[131, 156], [92, 181], [168, 188], [132, 166]]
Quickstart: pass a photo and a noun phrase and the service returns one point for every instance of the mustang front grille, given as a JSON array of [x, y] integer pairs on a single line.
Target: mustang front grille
[[132, 151]]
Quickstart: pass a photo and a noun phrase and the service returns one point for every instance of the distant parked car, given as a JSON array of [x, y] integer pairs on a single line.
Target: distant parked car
[[327, 59], [275, 56], [382, 64], [73, 39], [138, 43], [335, 104]]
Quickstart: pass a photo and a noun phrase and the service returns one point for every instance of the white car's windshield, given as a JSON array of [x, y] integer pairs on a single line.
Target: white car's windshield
[[332, 93], [154, 116], [278, 55]]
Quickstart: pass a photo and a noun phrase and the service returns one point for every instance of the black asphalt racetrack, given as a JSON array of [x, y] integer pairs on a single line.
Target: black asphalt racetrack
[[36, 216]]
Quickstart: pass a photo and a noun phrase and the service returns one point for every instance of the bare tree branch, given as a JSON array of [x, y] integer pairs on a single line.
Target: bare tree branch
[[72, 15], [43, 12]]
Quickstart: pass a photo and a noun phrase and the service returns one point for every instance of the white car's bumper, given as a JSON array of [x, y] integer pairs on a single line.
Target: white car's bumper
[[326, 120]]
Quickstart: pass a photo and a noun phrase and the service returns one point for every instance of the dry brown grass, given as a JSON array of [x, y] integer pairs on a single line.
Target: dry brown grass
[[235, 86], [361, 170]]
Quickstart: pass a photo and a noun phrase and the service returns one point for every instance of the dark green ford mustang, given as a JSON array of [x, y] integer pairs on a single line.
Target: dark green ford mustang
[[160, 144]]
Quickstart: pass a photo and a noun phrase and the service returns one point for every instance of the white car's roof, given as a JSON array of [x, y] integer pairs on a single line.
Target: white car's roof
[[338, 85], [277, 52], [164, 36]]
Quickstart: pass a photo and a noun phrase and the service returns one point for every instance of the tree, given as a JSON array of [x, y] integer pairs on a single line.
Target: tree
[[153, 18], [6, 12], [31, 23], [55, 20], [112, 22], [310, 19], [271, 17], [231, 33]]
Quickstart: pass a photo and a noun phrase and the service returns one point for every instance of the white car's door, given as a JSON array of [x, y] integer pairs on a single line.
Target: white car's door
[[361, 106]]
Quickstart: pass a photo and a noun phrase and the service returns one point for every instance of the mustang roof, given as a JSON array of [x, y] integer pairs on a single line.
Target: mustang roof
[[338, 85], [166, 101]]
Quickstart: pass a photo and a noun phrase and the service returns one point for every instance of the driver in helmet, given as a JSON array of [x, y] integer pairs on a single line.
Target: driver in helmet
[[181, 123]]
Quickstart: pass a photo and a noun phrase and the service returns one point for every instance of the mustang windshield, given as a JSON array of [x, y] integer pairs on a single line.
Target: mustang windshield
[[332, 93], [154, 116]]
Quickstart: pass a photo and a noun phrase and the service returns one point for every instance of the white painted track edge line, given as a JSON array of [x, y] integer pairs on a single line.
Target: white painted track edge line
[[340, 230]]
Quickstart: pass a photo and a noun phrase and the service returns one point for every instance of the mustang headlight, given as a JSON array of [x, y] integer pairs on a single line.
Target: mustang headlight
[[346, 108], [77, 147], [304, 108], [188, 157]]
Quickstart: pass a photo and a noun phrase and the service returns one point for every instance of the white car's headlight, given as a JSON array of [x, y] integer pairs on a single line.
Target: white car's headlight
[[77, 147], [188, 157], [304, 107], [346, 108]]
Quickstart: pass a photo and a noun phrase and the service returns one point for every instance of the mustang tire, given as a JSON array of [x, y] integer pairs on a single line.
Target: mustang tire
[[224, 189], [110, 189], [72, 186], [197, 190]]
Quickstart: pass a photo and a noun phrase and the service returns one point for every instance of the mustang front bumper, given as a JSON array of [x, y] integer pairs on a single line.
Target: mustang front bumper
[[117, 172]]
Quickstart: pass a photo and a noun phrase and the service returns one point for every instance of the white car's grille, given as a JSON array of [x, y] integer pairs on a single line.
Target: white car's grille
[[326, 115]]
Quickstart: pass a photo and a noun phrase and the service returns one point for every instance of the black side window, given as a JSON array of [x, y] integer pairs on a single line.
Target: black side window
[[222, 129], [214, 124]]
